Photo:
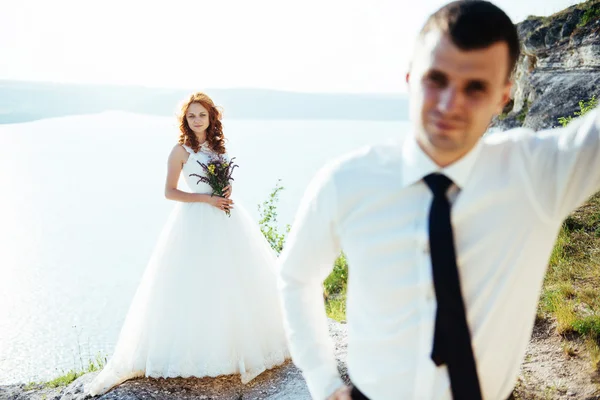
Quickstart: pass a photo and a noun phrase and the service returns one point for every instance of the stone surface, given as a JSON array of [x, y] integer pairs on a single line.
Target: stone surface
[[559, 66]]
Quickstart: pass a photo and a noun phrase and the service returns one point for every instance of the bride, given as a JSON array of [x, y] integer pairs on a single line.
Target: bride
[[207, 303]]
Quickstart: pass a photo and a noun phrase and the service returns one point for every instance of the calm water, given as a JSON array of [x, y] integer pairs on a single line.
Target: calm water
[[82, 205]]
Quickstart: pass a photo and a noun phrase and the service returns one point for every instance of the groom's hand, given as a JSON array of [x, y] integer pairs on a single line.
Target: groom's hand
[[342, 393]]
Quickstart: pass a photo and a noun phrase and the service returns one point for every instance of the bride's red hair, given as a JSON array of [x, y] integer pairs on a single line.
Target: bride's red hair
[[214, 132]]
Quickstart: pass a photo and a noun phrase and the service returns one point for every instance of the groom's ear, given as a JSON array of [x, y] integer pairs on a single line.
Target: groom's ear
[[505, 96], [410, 63]]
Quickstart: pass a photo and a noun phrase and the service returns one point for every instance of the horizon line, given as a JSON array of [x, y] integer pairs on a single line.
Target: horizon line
[[177, 88]]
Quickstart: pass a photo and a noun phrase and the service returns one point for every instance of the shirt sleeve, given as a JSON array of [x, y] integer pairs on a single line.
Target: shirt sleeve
[[306, 260], [562, 166]]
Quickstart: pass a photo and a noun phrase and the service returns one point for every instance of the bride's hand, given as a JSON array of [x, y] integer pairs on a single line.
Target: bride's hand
[[227, 192], [221, 203], [343, 393]]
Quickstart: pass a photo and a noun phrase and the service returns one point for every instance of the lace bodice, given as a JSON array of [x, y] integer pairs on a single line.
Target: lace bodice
[[204, 154]]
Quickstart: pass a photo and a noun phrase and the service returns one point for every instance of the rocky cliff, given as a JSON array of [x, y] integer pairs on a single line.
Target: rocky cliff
[[559, 66]]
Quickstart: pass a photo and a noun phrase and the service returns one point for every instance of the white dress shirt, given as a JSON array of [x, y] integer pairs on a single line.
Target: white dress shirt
[[509, 197]]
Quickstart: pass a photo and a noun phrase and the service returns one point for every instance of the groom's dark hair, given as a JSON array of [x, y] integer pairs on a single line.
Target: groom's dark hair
[[475, 24]]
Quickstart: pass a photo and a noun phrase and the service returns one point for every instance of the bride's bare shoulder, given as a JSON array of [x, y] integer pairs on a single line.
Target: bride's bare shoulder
[[179, 153]]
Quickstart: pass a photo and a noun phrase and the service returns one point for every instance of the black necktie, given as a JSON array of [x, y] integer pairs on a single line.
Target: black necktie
[[452, 339]]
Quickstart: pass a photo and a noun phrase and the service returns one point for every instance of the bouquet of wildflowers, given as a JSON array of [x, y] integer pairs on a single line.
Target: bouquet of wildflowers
[[218, 174]]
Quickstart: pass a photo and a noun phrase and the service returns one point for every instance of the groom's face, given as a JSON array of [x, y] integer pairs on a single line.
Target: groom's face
[[455, 93]]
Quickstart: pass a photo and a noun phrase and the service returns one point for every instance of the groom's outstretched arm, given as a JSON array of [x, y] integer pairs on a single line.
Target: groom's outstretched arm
[[306, 260], [563, 165]]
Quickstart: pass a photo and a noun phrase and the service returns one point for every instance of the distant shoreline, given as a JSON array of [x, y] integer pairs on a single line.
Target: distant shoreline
[[30, 101]]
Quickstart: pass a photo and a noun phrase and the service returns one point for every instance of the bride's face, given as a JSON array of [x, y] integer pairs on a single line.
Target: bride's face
[[197, 118]]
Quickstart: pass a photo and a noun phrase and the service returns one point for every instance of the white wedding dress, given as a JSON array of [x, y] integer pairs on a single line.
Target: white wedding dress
[[207, 303]]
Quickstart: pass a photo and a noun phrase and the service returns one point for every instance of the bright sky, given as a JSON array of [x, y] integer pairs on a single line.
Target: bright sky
[[308, 45]]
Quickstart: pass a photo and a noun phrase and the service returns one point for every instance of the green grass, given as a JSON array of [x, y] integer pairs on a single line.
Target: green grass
[[569, 349], [334, 290], [69, 376], [584, 107], [335, 306], [66, 379], [335, 283], [523, 113], [592, 13], [594, 350], [584, 5], [588, 326], [268, 220], [571, 291], [31, 386]]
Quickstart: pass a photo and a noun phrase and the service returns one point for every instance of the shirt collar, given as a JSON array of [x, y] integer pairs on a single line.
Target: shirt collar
[[416, 164]]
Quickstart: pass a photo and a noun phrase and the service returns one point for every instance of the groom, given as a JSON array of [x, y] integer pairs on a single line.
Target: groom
[[447, 235]]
